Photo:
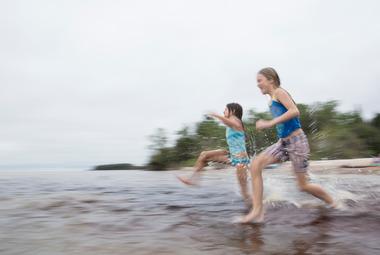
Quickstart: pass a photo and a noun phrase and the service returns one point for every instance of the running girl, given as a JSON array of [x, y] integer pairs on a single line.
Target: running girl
[[236, 156], [292, 144]]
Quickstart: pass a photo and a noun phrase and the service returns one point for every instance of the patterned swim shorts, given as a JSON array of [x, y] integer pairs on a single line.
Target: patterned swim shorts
[[234, 161], [296, 149]]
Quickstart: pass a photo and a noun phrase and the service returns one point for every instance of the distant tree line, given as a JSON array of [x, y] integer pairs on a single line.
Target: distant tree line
[[332, 135]]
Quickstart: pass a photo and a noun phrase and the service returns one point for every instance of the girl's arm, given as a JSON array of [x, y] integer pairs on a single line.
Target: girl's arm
[[289, 104], [232, 123], [292, 111]]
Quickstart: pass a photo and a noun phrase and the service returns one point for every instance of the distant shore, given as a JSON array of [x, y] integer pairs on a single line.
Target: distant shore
[[120, 166]]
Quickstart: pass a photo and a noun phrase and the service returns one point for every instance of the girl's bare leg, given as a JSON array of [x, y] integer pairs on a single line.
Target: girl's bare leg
[[313, 189], [257, 166], [241, 173], [203, 158]]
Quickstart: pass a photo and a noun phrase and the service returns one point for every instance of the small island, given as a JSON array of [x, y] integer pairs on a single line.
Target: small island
[[121, 166]]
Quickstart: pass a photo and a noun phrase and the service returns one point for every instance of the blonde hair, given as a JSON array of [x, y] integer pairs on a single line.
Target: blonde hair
[[271, 75]]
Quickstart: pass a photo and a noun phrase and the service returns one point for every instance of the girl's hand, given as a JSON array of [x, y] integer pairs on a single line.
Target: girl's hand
[[211, 115], [263, 124], [230, 122]]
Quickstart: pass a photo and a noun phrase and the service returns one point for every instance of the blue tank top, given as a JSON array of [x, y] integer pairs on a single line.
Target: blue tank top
[[286, 128], [235, 140]]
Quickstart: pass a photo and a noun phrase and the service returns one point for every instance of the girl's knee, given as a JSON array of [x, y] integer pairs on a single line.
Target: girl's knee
[[260, 162], [255, 170], [241, 168], [256, 164], [203, 156], [302, 187]]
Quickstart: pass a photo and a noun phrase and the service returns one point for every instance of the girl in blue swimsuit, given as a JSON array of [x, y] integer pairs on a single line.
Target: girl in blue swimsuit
[[236, 156], [292, 144]]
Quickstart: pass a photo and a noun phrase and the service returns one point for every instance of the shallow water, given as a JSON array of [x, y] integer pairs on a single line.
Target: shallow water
[[141, 212]]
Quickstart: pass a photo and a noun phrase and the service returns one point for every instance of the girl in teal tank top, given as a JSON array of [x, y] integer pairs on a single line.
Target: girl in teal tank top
[[236, 145], [236, 155]]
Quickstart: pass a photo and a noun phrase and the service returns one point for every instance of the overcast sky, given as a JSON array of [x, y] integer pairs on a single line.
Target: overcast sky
[[86, 82]]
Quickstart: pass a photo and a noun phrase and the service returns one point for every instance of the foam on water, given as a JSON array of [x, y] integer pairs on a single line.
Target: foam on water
[[282, 189]]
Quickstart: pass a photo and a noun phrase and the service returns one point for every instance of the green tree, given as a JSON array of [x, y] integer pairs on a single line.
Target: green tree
[[186, 146], [162, 159], [376, 121], [159, 139], [210, 135]]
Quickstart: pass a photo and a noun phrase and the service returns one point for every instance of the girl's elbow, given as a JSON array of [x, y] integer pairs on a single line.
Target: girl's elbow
[[296, 113]]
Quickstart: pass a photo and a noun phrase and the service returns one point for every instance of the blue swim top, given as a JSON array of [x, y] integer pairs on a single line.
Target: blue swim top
[[286, 128], [236, 141]]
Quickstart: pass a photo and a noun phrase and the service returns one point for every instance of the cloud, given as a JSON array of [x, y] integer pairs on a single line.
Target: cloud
[[86, 82]]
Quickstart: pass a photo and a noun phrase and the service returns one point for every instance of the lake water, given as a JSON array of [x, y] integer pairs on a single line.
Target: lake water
[[144, 212]]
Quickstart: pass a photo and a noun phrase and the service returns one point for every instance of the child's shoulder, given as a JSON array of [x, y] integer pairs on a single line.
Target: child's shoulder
[[281, 93], [276, 94], [238, 124]]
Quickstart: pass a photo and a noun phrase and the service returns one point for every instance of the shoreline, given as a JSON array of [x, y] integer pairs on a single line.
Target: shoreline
[[344, 166]]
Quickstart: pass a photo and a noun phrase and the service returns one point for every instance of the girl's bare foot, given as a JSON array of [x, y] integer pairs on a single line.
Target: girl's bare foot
[[256, 216], [187, 181], [337, 205]]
